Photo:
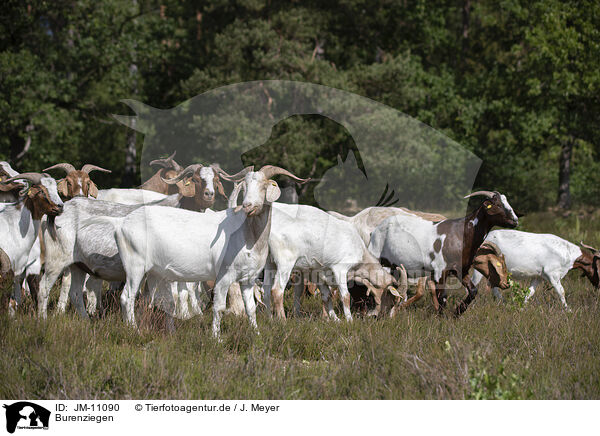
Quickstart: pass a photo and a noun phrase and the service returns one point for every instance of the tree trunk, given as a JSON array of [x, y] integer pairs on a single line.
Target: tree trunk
[[564, 173], [129, 176]]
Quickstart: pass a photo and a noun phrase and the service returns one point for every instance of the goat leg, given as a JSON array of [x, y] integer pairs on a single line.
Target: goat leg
[[472, 293], [418, 295]]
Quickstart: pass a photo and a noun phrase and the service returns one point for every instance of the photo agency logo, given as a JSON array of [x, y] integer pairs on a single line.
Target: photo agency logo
[[25, 415], [261, 140]]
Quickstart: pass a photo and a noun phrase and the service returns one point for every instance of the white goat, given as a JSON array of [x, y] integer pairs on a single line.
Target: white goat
[[129, 196], [542, 256], [368, 219], [79, 240], [309, 240], [9, 193], [180, 245], [20, 222]]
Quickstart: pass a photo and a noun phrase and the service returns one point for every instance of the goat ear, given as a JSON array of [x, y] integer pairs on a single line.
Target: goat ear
[[92, 190], [187, 187], [273, 191], [61, 187], [219, 186]]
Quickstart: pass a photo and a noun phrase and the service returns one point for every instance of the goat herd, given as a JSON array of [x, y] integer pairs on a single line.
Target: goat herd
[[163, 237]]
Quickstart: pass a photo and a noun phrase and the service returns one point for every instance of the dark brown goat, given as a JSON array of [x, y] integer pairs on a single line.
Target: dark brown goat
[[464, 236], [77, 183]]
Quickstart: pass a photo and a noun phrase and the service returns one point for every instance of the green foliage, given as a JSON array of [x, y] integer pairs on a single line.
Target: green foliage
[[511, 81], [494, 383], [517, 293]]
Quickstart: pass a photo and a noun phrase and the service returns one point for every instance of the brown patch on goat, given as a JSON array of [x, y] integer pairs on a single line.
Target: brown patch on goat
[[492, 265], [77, 183], [6, 272], [437, 245], [589, 264], [156, 184], [39, 204], [192, 190]]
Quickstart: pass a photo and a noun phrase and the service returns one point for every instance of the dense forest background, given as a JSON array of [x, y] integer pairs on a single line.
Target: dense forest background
[[516, 82]]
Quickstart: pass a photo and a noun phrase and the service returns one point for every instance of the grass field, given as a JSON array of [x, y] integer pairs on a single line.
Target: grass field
[[494, 351]]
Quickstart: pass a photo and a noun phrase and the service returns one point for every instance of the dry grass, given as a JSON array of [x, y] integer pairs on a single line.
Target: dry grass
[[493, 351]]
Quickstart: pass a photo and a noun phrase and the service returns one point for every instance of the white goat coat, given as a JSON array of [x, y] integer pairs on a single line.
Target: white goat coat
[[530, 255], [308, 239], [129, 196], [19, 234], [182, 245], [409, 240], [534, 256], [311, 239]]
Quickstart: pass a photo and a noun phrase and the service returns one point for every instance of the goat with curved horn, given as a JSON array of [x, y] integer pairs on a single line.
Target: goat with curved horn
[[589, 247], [67, 167], [235, 177], [87, 168], [188, 171], [270, 170], [33, 178], [167, 162], [488, 194]]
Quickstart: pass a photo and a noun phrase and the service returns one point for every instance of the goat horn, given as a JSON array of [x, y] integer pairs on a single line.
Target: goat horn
[[190, 169], [235, 177], [269, 171], [235, 193], [167, 162], [87, 168], [589, 247], [488, 194], [67, 167], [492, 247], [33, 178]]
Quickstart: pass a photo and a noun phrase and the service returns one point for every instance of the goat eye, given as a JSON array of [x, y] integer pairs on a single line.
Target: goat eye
[[498, 264]]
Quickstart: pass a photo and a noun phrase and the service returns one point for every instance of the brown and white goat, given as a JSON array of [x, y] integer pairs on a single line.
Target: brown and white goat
[[77, 183], [442, 249], [196, 186], [488, 262]]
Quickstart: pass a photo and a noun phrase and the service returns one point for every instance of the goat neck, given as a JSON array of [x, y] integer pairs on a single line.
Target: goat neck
[[258, 227], [589, 263], [476, 227]]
